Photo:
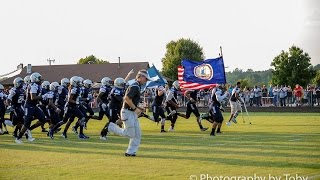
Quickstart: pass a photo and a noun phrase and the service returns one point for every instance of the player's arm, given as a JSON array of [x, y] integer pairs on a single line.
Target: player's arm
[[170, 101], [128, 99]]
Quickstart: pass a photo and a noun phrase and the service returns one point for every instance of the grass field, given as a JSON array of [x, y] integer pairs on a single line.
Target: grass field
[[274, 145]]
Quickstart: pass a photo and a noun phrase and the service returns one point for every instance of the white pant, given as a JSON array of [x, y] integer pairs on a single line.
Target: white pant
[[131, 129], [235, 107]]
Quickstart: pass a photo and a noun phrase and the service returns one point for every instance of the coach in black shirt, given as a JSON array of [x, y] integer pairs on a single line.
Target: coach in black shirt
[[129, 114]]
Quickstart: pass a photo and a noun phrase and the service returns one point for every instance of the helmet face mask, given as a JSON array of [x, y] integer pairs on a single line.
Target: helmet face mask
[[45, 85], [119, 83], [106, 81], [18, 82], [75, 81], [27, 80], [54, 86], [65, 82], [87, 83], [36, 78]]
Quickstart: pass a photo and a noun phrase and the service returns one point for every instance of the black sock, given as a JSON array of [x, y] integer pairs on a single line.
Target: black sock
[[162, 127], [218, 130], [81, 129], [200, 125], [213, 130]]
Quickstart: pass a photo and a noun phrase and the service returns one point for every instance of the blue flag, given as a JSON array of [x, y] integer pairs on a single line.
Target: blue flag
[[209, 71], [156, 77]]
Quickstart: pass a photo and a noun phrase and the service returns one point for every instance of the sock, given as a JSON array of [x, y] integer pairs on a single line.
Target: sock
[[218, 130], [81, 129], [162, 127], [235, 115], [212, 131]]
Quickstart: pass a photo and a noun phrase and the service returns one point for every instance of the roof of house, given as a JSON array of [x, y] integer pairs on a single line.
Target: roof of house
[[94, 72]]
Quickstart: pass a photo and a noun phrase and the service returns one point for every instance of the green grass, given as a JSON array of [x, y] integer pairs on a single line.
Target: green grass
[[275, 144]]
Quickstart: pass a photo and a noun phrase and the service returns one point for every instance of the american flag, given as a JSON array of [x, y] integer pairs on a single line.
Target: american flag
[[189, 85]]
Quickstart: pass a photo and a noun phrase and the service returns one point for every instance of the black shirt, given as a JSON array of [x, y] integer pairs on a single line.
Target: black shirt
[[158, 99], [116, 96], [133, 92], [193, 95]]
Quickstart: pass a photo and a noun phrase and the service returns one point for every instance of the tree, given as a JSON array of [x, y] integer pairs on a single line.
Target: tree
[[316, 79], [292, 68], [177, 51], [91, 60], [244, 83]]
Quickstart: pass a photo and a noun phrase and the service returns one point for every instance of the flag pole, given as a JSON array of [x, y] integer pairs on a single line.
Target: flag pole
[[224, 69]]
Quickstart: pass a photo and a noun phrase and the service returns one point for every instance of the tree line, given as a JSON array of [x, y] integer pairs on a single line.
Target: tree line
[[288, 68]]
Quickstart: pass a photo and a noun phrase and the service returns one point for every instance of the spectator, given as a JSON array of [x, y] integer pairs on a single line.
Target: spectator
[[289, 96], [257, 95], [270, 93], [298, 94], [275, 92], [318, 95], [282, 96], [251, 97], [264, 95]]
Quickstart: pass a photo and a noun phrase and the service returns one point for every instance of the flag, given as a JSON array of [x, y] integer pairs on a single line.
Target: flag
[[210, 71], [156, 78], [188, 85]]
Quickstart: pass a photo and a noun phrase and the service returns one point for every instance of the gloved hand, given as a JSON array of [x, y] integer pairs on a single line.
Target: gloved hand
[[44, 97], [104, 106], [58, 110], [9, 108]]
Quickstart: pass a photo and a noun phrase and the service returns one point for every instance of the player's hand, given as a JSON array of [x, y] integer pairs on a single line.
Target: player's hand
[[131, 72], [104, 106], [58, 110], [192, 100]]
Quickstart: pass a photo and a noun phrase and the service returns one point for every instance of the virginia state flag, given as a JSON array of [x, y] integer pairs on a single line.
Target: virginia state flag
[[209, 71]]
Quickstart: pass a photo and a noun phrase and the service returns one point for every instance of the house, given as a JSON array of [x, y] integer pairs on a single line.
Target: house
[[94, 72]]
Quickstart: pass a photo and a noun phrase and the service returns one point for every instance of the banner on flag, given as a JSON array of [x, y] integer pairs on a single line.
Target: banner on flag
[[210, 71], [189, 85]]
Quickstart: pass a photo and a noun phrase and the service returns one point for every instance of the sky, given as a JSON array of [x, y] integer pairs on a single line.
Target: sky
[[250, 32]]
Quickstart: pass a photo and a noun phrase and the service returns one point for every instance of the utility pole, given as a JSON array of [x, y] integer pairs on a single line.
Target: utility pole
[[51, 61]]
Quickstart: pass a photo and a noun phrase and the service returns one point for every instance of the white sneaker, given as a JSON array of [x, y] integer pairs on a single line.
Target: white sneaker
[[28, 132], [228, 123], [18, 141], [170, 129], [30, 139], [103, 138]]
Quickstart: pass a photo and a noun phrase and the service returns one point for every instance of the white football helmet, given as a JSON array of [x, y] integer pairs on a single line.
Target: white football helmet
[[81, 80], [45, 85], [106, 81], [35, 77], [75, 81], [1, 87], [27, 80], [18, 82], [176, 85], [54, 86], [87, 83], [65, 82], [119, 83]]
